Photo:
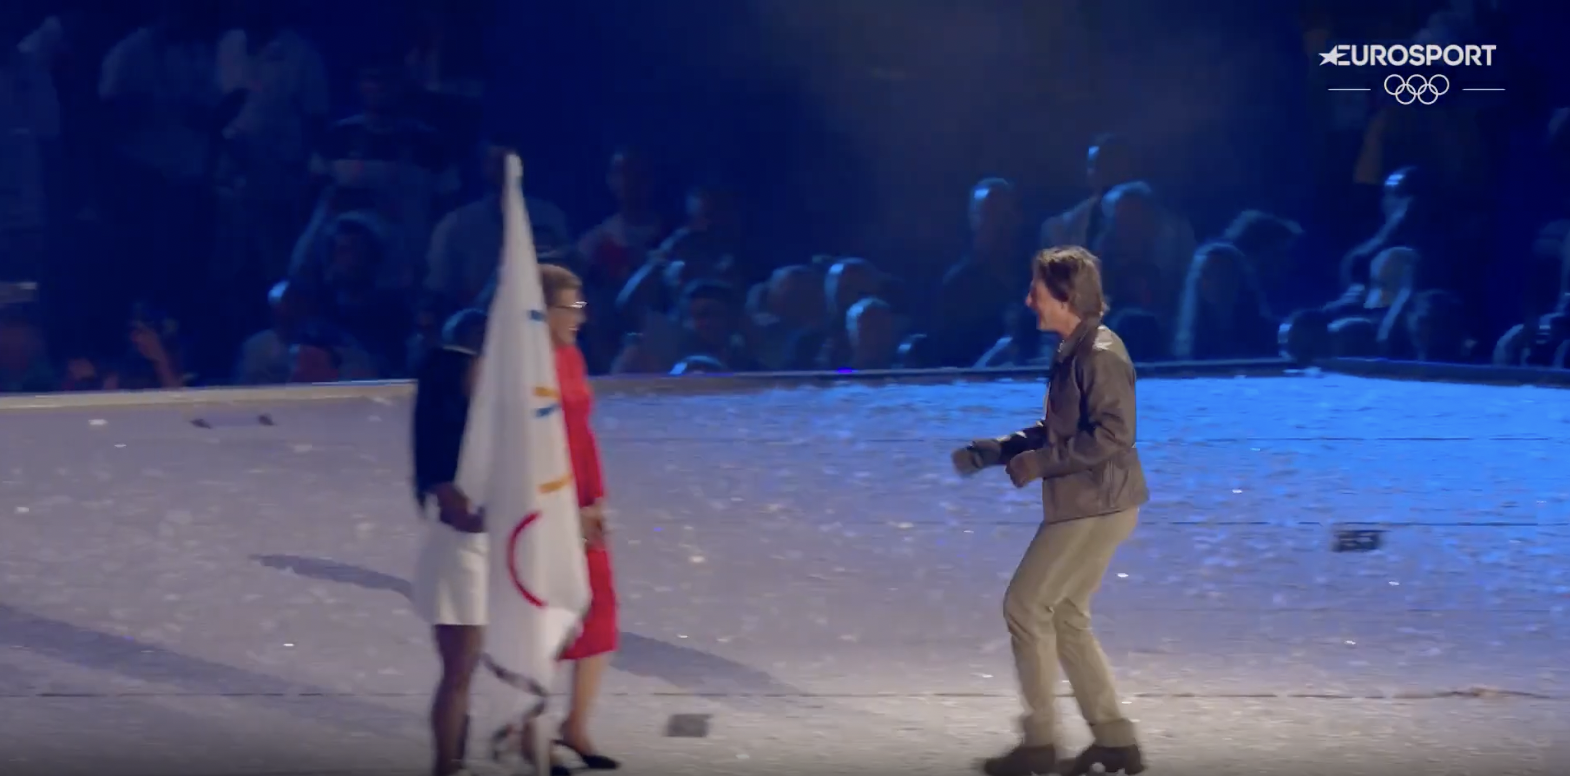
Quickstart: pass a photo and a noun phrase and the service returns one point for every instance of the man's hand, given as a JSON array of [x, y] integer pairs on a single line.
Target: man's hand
[[1024, 469], [456, 511], [592, 518], [976, 456]]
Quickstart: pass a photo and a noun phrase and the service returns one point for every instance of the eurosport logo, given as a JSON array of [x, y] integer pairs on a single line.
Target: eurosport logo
[[1412, 88], [1411, 55]]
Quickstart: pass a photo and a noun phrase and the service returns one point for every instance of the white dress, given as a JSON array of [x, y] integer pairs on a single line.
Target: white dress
[[450, 574]]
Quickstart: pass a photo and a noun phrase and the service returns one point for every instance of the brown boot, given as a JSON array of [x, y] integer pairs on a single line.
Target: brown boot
[[1112, 759], [1023, 761]]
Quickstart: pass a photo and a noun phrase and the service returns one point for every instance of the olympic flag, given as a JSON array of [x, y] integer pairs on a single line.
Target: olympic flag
[[515, 466]]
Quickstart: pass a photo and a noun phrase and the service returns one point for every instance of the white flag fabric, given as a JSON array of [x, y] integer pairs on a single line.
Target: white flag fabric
[[516, 467]]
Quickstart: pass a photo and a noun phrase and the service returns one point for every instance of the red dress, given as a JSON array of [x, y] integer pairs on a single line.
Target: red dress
[[577, 402]]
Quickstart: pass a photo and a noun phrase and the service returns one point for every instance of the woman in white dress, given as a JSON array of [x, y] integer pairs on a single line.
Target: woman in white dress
[[450, 574]]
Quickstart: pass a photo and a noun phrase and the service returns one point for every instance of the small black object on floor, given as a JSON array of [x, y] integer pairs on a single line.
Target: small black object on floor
[[1359, 540], [687, 726]]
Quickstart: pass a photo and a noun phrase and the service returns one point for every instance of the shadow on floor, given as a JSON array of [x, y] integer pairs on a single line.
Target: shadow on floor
[[144, 662], [692, 670]]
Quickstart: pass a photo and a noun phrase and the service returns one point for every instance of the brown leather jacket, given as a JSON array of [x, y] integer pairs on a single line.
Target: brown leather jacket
[[1085, 442]]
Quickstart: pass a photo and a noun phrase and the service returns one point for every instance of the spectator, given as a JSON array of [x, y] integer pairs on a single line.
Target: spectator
[[1354, 338], [156, 357], [709, 243], [24, 363], [617, 246], [1144, 250], [710, 317], [275, 82], [1223, 314], [375, 318], [264, 356], [707, 324], [1436, 327], [447, 60], [1270, 243], [29, 128], [398, 165], [314, 360], [1111, 161], [467, 242], [1024, 345], [323, 354], [967, 316], [615, 249], [1305, 336], [788, 332], [697, 365], [1142, 332], [848, 281], [1544, 290], [873, 333], [160, 88], [1413, 219]]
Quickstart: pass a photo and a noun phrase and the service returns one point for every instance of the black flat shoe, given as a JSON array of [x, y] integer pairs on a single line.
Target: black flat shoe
[[594, 762]]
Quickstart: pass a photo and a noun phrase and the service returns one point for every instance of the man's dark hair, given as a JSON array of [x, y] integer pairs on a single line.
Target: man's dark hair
[[711, 290], [1354, 337], [1072, 274]]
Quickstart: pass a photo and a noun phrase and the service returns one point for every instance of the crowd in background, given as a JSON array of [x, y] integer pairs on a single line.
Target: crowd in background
[[253, 232]]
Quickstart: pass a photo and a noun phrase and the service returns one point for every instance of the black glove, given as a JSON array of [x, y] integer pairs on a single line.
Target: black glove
[[976, 456]]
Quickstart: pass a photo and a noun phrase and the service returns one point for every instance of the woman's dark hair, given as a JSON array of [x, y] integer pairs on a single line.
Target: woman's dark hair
[[1354, 338], [1304, 336], [1246, 334]]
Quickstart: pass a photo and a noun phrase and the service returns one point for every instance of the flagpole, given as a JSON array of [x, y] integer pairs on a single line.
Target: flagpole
[[542, 746]]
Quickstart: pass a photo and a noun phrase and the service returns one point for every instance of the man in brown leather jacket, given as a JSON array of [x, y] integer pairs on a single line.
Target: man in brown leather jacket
[[1092, 486]]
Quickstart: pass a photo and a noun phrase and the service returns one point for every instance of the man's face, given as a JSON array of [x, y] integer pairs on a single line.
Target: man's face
[[1050, 313]]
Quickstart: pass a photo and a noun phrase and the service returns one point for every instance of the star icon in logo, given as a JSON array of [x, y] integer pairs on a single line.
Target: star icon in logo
[[1333, 57]]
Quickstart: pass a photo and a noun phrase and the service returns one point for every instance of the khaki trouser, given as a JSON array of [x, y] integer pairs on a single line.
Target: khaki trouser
[[1047, 608]]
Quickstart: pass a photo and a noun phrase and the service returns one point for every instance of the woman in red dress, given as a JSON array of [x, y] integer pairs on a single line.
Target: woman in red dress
[[591, 653]]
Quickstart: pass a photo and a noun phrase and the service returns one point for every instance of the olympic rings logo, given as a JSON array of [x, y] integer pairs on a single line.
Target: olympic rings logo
[[1416, 88]]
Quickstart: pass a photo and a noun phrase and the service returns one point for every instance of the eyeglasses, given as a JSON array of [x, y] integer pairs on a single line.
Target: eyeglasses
[[579, 305]]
